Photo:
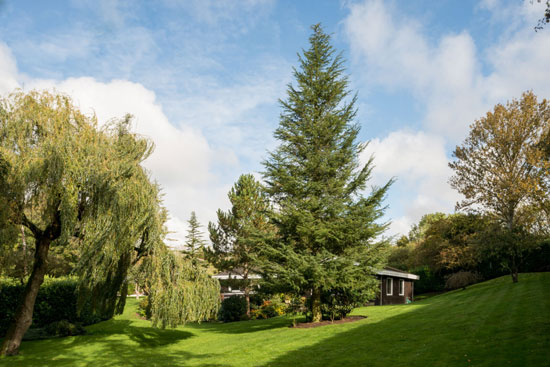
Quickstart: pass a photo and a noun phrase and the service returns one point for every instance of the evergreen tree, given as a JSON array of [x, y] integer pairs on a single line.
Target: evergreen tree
[[194, 241], [240, 232], [328, 235]]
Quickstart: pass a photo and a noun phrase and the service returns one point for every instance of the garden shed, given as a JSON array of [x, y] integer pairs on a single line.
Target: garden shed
[[396, 286]]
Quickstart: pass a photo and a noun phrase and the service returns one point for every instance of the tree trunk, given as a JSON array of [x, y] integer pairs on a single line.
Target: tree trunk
[[247, 297], [316, 314], [24, 243], [514, 270], [247, 294], [23, 316]]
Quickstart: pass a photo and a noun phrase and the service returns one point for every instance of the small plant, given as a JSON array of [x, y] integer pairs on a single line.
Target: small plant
[[295, 306]]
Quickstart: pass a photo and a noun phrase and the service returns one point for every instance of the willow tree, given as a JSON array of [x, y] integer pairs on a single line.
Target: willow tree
[[238, 236], [328, 230], [503, 169], [68, 181]]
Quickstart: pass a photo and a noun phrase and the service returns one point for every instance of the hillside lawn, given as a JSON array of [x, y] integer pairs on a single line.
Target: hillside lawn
[[495, 323]]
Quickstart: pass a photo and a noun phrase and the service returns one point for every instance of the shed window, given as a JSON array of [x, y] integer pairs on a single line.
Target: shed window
[[389, 286], [401, 287]]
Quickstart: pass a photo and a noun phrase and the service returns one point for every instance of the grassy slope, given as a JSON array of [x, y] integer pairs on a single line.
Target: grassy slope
[[495, 323]]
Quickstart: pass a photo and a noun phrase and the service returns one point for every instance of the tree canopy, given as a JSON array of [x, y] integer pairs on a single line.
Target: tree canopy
[[502, 168], [68, 181], [327, 230], [194, 243], [238, 236]]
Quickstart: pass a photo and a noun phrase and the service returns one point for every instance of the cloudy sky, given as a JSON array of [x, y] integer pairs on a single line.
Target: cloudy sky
[[203, 77]]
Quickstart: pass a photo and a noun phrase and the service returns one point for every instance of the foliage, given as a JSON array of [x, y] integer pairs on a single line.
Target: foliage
[[233, 309], [56, 301], [338, 303], [502, 168], [461, 279], [70, 182], [194, 241], [440, 245], [64, 328], [327, 230], [179, 291], [429, 280], [275, 306], [239, 233], [144, 308], [545, 19]]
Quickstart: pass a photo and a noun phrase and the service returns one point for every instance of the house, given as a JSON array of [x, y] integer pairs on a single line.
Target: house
[[230, 285], [396, 286]]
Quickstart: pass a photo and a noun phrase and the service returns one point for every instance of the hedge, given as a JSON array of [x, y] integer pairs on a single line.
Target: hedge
[[56, 301]]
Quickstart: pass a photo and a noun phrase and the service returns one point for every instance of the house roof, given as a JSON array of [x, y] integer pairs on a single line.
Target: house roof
[[393, 272], [235, 274], [387, 271]]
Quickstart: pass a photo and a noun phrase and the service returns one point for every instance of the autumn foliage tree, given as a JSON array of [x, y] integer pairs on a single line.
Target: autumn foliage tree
[[68, 181], [502, 168]]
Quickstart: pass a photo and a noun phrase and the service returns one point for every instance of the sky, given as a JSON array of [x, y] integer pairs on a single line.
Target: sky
[[202, 79]]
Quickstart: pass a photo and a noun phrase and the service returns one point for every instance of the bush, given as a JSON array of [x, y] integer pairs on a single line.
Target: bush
[[462, 279], [338, 303], [64, 328], [56, 301], [428, 282], [270, 308], [144, 308], [233, 309]]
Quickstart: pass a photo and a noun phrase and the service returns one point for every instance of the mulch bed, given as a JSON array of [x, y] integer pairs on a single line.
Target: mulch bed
[[307, 325]]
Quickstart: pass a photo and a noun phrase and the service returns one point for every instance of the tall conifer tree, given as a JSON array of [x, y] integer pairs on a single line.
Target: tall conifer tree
[[327, 230], [194, 241]]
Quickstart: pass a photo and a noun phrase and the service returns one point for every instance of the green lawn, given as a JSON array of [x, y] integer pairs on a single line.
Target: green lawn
[[495, 323]]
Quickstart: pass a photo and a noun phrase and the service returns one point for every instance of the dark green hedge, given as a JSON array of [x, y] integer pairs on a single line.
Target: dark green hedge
[[233, 309], [56, 301]]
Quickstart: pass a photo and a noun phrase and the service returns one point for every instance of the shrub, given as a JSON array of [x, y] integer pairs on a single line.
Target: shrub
[[233, 309], [144, 308], [462, 279], [428, 282], [337, 304], [56, 301], [270, 308], [64, 328]]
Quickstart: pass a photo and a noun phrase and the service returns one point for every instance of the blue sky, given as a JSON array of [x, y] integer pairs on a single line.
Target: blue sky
[[202, 79]]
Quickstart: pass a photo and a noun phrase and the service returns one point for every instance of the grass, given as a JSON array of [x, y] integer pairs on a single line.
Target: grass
[[495, 323]]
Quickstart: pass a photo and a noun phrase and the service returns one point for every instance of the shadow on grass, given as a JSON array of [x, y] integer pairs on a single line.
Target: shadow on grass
[[490, 324], [243, 327], [146, 337], [110, 343]]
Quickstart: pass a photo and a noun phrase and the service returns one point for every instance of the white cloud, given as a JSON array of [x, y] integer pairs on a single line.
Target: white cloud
[[446, 75], [412, 155], [419, 163], [182, 161], [8, 70]]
